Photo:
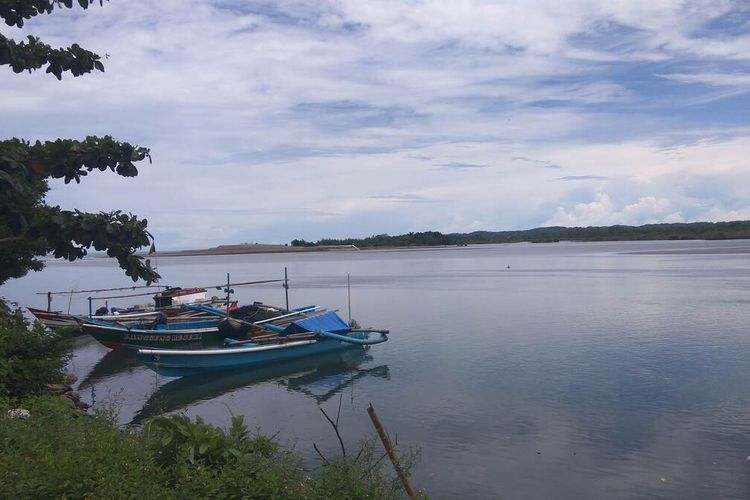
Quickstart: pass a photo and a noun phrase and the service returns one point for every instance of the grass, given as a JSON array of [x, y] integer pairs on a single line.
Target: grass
[[55, 454]]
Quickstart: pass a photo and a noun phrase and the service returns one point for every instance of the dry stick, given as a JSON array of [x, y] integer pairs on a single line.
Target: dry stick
[[372, 467], [325, 460], [391, 452], [335, 426]]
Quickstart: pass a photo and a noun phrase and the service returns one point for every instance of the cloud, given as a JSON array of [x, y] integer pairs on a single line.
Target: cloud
[[583, 178], [603, 212], [402, 198], [295, 113], [711, 79], [460, 166]]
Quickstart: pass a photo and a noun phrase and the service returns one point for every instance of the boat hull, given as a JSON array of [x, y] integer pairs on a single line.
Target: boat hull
[[55, 319], [120, 338], [186, 363]]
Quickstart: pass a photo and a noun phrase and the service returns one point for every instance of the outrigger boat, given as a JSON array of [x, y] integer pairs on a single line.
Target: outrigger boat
[[166, 303], [310, 336], [185, 334]]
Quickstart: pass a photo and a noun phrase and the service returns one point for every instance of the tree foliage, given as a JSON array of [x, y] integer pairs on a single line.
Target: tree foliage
[[29, 228], [33, 54]]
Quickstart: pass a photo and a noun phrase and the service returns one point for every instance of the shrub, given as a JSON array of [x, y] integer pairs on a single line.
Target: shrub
[[56, 455], [30, 358]]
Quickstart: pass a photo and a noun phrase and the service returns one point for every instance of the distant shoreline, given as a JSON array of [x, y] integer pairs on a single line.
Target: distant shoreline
[[254, 248], [433, 239], [266, 248]]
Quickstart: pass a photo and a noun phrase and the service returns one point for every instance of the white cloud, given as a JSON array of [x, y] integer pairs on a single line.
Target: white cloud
[[345, 118], [713, 79], [602, 212]]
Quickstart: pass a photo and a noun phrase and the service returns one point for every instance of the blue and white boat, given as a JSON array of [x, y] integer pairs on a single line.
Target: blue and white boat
[[305, 337]]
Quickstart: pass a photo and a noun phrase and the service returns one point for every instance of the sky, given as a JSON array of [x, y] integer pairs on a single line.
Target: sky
[[269, 121]]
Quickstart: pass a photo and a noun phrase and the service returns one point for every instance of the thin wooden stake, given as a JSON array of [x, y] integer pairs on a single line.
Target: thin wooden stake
[[349, 297], [391, 452], [286, 288]]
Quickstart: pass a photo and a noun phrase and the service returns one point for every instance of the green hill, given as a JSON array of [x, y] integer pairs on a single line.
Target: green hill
[[677, 231]]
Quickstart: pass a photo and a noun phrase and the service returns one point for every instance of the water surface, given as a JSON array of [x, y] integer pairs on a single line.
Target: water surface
[[568, 370]]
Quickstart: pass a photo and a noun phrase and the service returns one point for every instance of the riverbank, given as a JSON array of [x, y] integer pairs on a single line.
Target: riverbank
[[255, 248]]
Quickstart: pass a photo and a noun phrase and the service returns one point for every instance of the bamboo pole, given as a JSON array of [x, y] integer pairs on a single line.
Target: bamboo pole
[[100, 290], [391, 452], [150, 286]]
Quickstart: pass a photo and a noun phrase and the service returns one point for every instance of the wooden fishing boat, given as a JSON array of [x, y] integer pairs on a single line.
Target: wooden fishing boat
[[167, 302], [184, 334], [55, 319], [311, 336], [257, 318]]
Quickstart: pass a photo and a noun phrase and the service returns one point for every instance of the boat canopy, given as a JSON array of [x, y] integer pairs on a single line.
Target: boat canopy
[[328, 322]]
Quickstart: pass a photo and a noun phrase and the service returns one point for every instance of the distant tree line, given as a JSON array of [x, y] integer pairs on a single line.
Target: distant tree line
[[676, 231]]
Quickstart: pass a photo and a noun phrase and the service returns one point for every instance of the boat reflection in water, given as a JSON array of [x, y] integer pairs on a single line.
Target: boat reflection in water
[[320, 377], [112, 363]]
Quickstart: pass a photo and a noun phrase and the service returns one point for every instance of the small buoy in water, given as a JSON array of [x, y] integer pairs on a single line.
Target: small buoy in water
[[507, 267]]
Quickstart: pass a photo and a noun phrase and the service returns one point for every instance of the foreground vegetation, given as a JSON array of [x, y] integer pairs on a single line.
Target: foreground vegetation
[[54, 454], [50, 449], [678, 231]]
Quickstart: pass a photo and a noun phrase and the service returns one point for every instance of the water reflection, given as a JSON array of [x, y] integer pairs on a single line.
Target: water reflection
[[322, 385], [319, 377], [112, 363]]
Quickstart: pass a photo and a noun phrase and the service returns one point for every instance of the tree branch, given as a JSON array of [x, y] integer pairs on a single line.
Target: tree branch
[[34, 54], [14, 12]]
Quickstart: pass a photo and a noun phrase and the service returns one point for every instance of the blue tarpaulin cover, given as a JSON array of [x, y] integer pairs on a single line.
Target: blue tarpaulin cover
[[328, 322]]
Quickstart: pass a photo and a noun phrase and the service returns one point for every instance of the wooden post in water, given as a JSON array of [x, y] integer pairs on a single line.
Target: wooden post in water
[[228, 292], [286, 288], [391, 452], [91, 310], [49, 301]]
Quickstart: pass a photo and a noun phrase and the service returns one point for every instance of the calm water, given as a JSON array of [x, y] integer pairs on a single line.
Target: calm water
[[605, 370]]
